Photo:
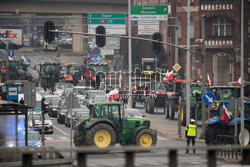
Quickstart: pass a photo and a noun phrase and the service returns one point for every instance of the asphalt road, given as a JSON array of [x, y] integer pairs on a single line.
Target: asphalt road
[[61, 136], [61, 139]]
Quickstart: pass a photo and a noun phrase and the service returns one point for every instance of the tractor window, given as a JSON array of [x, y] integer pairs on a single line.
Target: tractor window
[[115, 111], [105, 112], [94, 113]]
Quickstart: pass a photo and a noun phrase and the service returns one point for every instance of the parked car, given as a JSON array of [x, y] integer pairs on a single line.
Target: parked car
[[132, 112], [61, 116], [34, 138]]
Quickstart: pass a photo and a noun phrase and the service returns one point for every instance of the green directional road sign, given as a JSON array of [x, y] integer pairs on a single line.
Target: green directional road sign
[[149, 9], [106, 21], [106, 15]]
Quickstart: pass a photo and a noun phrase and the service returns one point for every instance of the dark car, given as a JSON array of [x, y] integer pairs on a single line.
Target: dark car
[[54, 106], [68, 115], [84, 109], [80, 116], [61, 116]]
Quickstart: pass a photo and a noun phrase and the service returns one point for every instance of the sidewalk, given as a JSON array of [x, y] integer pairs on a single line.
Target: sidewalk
[[168, 128]]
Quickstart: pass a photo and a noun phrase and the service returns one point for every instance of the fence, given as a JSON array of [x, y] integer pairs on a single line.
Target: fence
[[129, 152]]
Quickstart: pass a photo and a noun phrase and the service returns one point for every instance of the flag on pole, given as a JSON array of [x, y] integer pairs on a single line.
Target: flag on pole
[[24, 60], [208, 80], [113, 95], [239, 82], [120, 79], [168, 76], [227, 116]]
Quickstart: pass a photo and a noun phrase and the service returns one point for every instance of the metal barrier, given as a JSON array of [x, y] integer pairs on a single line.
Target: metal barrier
[[129, 152]]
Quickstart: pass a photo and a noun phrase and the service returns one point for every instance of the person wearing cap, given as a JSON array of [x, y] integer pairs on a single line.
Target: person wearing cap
[[191, 134]]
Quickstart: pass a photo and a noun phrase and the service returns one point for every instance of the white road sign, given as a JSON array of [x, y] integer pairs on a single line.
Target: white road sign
[[110, 28], [107, 52], [148, 17], [148, 27]]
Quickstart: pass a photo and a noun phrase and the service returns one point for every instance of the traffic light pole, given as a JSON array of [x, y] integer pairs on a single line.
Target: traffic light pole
[[188, 66], [129, 55]]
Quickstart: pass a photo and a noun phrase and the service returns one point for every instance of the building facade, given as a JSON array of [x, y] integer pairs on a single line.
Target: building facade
[[222, 38]]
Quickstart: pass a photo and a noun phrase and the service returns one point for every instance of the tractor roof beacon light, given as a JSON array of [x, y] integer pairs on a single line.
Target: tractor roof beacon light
[[100, 40], [49, 36]]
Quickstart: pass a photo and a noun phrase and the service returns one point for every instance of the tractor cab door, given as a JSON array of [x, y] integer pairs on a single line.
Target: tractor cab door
[[112, 112]]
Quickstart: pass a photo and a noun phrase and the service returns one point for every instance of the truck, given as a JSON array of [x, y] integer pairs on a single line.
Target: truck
[[13, 35], [107, 125]]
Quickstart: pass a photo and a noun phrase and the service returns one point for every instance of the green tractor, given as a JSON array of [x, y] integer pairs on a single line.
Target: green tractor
[[107, 125]]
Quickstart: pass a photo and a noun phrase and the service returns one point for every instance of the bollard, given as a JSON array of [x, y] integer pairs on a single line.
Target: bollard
[[27, 160], [172, 158], [129, 159], [246, 157], [81, 159], [211, 158]]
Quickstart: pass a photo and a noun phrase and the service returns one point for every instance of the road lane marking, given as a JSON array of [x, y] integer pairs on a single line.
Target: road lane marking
[[162, 138], [61, 131], [34, 61]]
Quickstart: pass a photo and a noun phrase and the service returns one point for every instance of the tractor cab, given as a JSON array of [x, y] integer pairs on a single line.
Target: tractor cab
[[107, 125]]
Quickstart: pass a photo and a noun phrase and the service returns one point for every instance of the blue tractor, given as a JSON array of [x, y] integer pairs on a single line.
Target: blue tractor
[[219, 131]]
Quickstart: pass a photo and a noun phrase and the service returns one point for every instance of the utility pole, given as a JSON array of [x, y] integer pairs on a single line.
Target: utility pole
[[203, 72], [188, 66], [129, 55], [242, 67]]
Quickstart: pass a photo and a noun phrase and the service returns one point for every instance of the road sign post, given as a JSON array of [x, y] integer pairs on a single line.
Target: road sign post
[[70, 103]]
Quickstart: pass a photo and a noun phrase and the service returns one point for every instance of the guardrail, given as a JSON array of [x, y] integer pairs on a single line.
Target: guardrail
[[82, 152]]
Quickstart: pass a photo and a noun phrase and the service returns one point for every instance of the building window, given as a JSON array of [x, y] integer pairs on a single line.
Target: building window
[[222, 26], [248, 27]]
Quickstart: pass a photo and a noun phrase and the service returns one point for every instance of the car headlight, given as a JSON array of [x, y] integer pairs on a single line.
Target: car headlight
[[54, 109], [50, 123], [30, 124]]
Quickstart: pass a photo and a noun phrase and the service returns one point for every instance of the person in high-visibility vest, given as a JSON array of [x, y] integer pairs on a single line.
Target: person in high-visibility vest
[[191, 134]]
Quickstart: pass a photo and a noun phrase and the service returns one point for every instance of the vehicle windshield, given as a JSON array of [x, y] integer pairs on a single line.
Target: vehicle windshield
[[162, 86], [37, 117], [94, 94], [95, 68], [83, 114], [133, 113], [33, 136], [224, 93], [55, 101], [64, 86]]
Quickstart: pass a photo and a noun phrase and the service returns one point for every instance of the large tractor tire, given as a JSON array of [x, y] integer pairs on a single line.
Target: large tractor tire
[[151, 105], [210, 134], [101, 136], [146, 138]]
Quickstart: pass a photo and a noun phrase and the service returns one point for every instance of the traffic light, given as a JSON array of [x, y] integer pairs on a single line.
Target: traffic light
[[49, 36], [156, 45], [100, 40]]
